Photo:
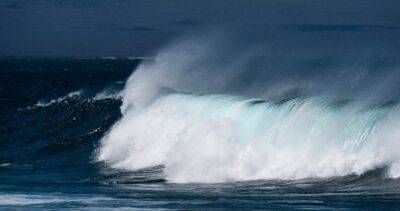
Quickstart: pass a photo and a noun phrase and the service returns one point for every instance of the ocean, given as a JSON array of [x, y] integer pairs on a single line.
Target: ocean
[[117, 133]]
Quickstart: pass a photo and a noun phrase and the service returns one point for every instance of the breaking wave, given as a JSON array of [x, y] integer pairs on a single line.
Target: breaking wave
[[184, 111], [216, 138]]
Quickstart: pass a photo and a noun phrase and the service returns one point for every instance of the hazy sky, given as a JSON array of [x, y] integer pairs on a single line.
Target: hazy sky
[[138, 27]]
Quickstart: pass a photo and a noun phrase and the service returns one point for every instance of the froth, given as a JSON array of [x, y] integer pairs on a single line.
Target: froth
[[219, 138]]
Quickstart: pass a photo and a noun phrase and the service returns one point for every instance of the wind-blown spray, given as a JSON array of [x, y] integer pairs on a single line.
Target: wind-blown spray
[[179, 111]]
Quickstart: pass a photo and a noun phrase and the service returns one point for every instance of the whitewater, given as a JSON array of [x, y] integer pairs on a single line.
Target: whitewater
[[176, 113]]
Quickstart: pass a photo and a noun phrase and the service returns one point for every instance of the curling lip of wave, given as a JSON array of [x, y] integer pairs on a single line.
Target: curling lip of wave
[[221, 138]]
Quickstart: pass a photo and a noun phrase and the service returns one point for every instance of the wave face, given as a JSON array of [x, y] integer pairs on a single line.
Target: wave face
[[187, 111]]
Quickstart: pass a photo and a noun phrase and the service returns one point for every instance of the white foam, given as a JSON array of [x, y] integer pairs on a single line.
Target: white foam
[[24, 200], [220, 138], [108, 94], [60, 99]]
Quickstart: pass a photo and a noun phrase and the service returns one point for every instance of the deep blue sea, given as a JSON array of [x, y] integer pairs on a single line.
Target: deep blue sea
[[86, 133]]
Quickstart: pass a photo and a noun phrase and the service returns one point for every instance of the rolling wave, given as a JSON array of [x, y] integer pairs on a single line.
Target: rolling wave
[[219, 138], [187, 111]]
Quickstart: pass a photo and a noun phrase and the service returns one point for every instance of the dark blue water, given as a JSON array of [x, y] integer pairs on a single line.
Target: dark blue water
[[47, 152]]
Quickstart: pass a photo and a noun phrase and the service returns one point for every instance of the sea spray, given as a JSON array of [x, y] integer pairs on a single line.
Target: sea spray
[[209, 113]]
